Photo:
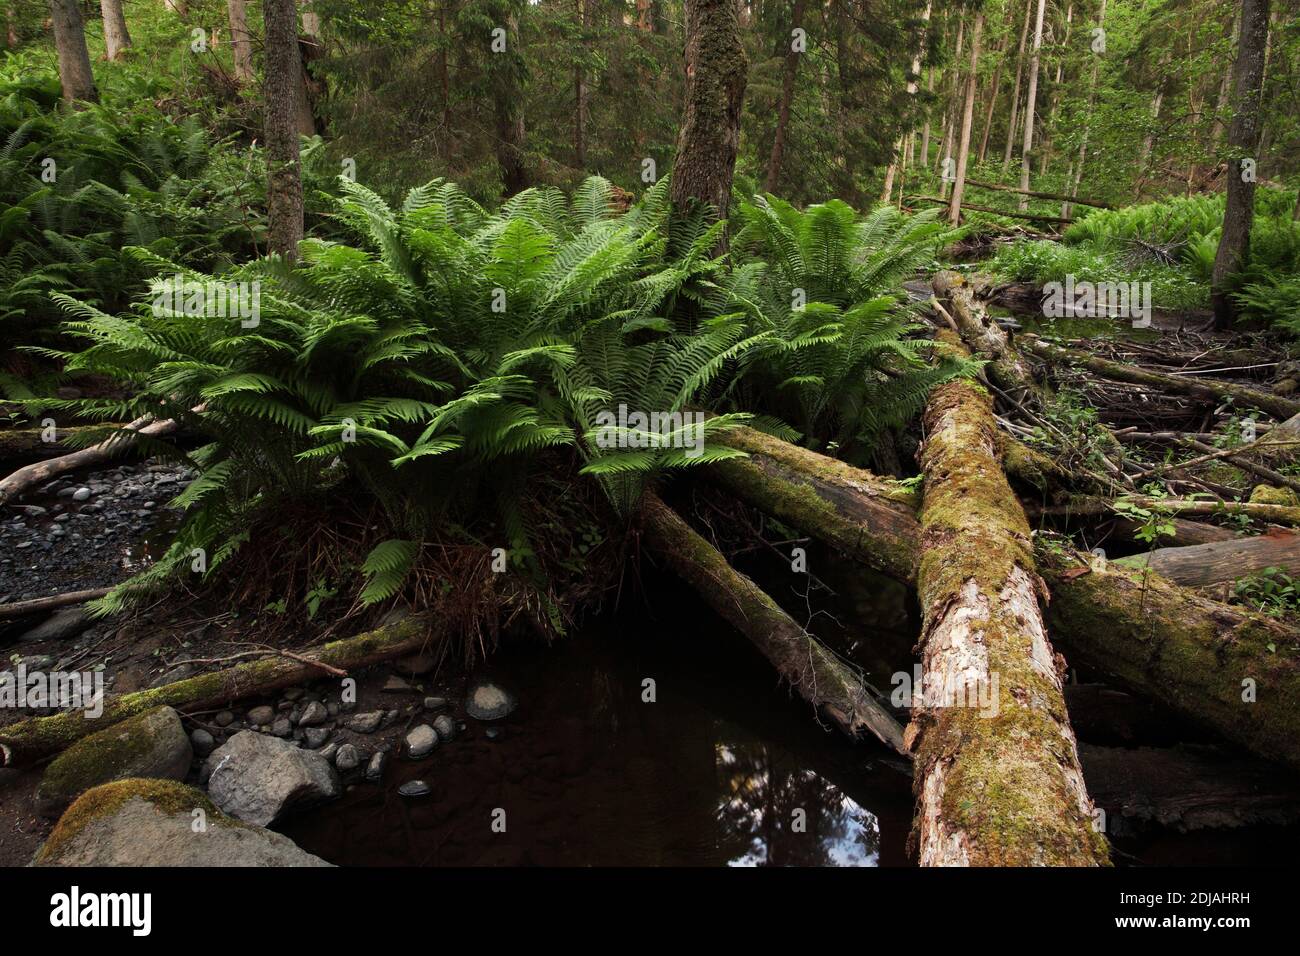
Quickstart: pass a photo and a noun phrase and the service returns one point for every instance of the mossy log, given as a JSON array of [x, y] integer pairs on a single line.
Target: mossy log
[[30, 740], [997, 776], [34, 443], [1256, 510], [1235, 671], [1243, 396], [874, 519], [1113, 615], [984, 337], [1202, 564], [819, 677]]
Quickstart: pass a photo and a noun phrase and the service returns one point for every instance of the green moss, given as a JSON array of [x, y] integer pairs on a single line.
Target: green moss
[[99, 757], [167, 795], [1272, 495]]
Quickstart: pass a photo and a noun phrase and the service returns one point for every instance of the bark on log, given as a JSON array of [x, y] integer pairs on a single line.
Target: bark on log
[[40, 472], [997, 775], [1243, 396], [53, 602], [984, 337], [1258, 511], [1203, 564], [1186, 533], [819, 677], [31, 443], [30, 740], [1164, 640]]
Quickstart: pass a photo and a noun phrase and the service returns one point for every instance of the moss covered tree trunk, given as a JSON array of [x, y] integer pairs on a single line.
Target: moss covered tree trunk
[[284, 174], [75, 76], [1243, 146], [819, 677], [716, 73], [997, 775]]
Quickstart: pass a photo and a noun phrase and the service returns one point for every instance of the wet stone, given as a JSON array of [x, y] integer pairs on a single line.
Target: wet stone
[[488, 701], [261, 715], [420, 741], [415, 788], [375, 769], [347, 758], [445, 726]]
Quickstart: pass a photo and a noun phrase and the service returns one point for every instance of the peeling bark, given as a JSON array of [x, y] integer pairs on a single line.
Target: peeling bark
[[997, 773]]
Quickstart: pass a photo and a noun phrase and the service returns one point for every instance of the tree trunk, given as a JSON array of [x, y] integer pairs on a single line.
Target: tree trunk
[[1243, 139], [282, 87], [1027, 146], [1050, 116], [1087, 125], [116, 37], [507, 77], [241, 43], [925, 130], [1015, 90], [75, 76], [819, 677], [716, 74], [27, 741], [912, 81], [11, 28], [783, 109], [997, 774], [967, 117], [995, 86], [951, 112], [1225, 87], [1148, 142], [580, 89]]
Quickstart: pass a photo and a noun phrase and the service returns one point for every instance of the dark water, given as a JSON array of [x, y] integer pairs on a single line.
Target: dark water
[[716, 771]]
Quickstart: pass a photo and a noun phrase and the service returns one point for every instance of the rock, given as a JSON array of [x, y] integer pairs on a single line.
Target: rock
[[257, 778], [62, 624], [293, 693], [150, 823], [203, 742], [313, 715], [493, 733], [421, 741], [417, 665], [415, 788], [395, 685], [260, 716], [224, 719], [347, 758], [151, 744], [488, 701], [375, 769], [281, 727], [81, 494], [445, 726], [328, 751], [314, 737], [366, 723], [435, 703]]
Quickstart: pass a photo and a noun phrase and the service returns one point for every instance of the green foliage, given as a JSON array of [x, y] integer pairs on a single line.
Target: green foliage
[[823, 285], [1270, 590]]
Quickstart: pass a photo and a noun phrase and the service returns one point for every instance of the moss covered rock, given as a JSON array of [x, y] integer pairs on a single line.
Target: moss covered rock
[[1272, 495], [141, 822], [151, 744]]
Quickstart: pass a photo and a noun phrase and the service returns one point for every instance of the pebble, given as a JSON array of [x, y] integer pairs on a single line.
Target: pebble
[[224, 719], [375, 769], [315, 737], [282, 728], [313, 715], [435, 703], [488, 701], [420, 741], [366, 723], [261, 715], [395, 685], [415, 788], [445, 726], [81, 494], [347, 758], [204, 743]]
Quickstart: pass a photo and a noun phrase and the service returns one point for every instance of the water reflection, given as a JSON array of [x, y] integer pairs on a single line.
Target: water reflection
[[774, 813]]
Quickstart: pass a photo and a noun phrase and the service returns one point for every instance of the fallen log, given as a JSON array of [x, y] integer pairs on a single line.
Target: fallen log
[[1242, 396], [1149, 630], [1258, 511], [27, 741], [984, 337], [40, 472], [1203, 564], [997, 776], [1187, 788], [51, 603], [820, 678], [1057, 197], [1033, 217], [36, 442], [1185, 532]]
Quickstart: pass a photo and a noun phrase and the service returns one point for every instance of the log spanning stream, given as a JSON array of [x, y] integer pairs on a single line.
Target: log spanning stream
[[714, 772]]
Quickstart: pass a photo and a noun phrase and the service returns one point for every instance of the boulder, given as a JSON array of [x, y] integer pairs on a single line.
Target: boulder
[[154, 823], [151, 744], [257, 778]]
